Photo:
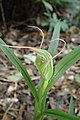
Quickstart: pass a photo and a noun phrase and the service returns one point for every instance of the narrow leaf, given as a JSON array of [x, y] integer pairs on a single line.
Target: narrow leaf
[[48, 5], [67, 62], [54, 43], [63, 65], [77, 78], [60, 114], [12, 57], [71, 106]]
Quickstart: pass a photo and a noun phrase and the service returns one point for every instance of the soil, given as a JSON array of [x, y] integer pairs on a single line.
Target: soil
[[16, 100]]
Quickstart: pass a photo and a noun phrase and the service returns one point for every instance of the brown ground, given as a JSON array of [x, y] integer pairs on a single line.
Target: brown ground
[[16, 101]]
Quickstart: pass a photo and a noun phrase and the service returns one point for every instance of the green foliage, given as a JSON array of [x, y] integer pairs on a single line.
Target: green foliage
[[60, 115], [65, 63], [50, 21], [58, 3], [54, 9], [62, 3], [47, 5], [12, 57], [77, 78], [74, 12], [42, 65], [77, 16], [48, 78], [71, 106], [56, 34], [50, 17]]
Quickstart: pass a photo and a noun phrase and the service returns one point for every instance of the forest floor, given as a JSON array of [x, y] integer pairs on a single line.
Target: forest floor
[[16, 101]]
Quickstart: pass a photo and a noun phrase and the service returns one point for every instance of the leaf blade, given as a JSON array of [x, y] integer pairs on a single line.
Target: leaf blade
[[71, 106], [54, 44], [63, 65], [60, 114], [12, 57]]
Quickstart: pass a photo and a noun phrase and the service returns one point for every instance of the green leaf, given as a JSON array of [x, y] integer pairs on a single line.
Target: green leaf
[[71, 106], [64, 25], [41, 62], [54, 16], [60, 114], [52, 50], [48, 5], [44, 64], [54, 43], [15, 77], [44, 22], [67, 62], [77, 78], [63, 65], [12, 57]]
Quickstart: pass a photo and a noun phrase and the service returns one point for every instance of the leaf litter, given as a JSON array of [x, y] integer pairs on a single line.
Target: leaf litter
[[14, 90]]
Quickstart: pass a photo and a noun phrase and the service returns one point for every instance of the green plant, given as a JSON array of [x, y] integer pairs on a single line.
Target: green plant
[[58, 3], [50, 21], [50, 17], [60, 9], [49, 75], [62, 4]]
